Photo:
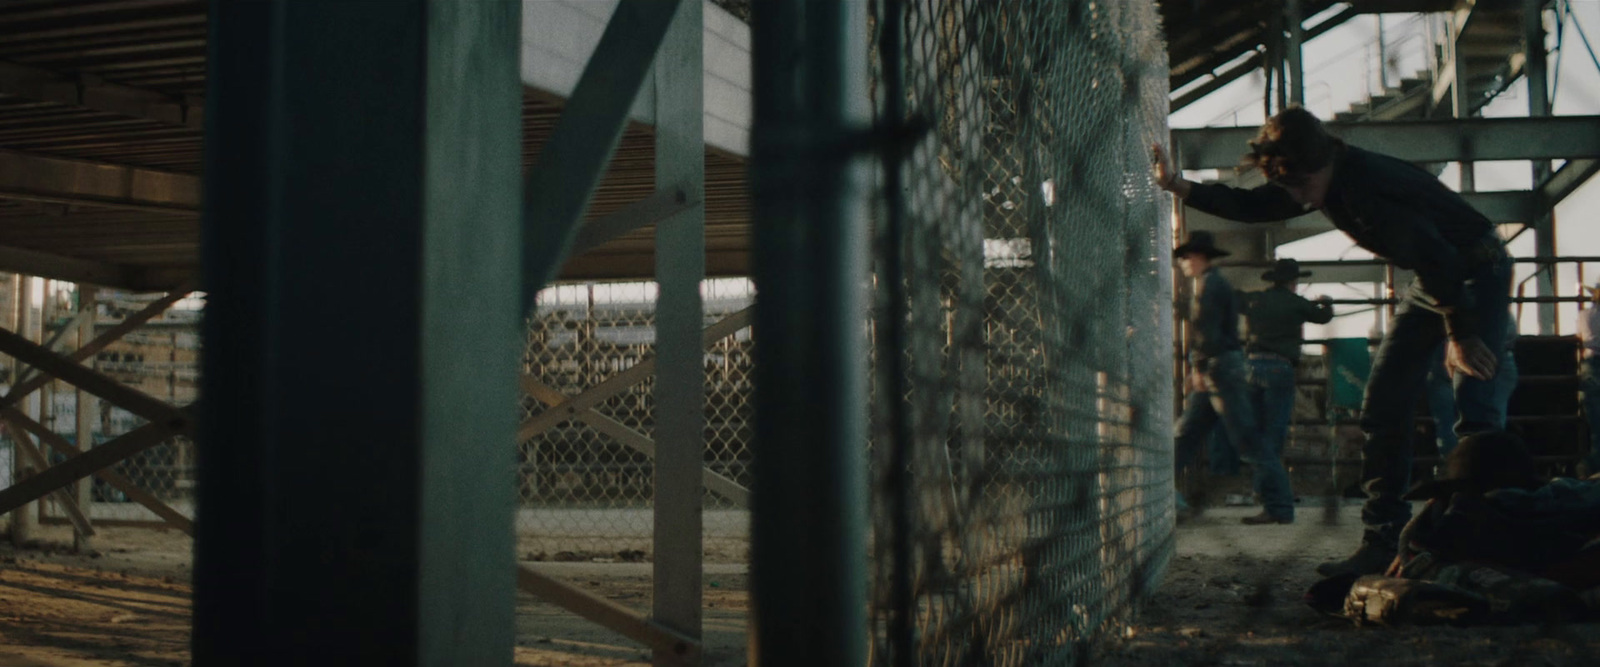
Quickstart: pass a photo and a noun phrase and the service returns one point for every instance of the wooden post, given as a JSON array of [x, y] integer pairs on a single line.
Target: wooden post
[[24, 519], [85, 410]]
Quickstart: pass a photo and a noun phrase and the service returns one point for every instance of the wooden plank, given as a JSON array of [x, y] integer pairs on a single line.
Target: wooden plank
[[133, 491], [620, 382], [75, 514], [132, 400], [101, 342], [81, 465], [716, 483], [607, 614]]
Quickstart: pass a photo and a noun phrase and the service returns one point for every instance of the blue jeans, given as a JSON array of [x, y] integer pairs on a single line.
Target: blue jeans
[[1272, 389], [1399, 373], [1227, 399], [1221, 456], [1589, 389], [1442, 398]]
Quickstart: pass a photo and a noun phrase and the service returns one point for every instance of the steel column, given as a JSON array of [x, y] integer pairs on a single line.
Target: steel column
[[24, 520], [808, 533], [362, 516], [1297, 72], [1536, 66], [680, 362], [86, 407]]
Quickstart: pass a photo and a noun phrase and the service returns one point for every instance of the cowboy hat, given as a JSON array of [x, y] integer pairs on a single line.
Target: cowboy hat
[[1201, 242], [1284, 271], [1480, 463]]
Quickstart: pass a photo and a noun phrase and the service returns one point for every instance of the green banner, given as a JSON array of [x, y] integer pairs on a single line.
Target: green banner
[[1349, 364]]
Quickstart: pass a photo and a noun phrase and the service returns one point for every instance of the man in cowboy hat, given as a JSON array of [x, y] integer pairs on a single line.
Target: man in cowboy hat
[[1273, 320], [1218, 381], [1461, 296]]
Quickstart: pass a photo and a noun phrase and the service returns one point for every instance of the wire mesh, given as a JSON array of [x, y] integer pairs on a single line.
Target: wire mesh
[[586, 481], [159, 358], [1038, 329]]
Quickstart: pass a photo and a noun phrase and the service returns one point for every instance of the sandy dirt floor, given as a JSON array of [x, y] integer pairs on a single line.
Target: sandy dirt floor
[[1231, 598]]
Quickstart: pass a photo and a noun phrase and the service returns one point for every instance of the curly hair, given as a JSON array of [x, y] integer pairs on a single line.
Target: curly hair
[[1292, 145]]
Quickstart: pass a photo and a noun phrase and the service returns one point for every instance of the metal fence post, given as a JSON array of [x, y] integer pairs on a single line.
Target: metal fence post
[[808, 575], [355, 489]]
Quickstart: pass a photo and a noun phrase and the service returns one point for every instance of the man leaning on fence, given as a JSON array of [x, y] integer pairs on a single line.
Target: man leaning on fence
[[1218, 384], [1461, 295], [1274, 319]]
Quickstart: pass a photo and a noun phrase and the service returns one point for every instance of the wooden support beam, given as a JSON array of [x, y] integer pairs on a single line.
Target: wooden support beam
[[573, 160], [620, 382], [128, 488], [91, 92], [80, 522], [648, 211], [716, 483], [60, 267], [100, 342], [42, 178], [128, 398], [607, 614], [82, 465]]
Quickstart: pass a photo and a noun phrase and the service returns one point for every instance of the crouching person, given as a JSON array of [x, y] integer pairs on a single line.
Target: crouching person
[[1496, 543]]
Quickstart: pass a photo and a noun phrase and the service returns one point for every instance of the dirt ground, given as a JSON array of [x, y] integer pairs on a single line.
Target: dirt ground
[[126, 604], [1231, 598]]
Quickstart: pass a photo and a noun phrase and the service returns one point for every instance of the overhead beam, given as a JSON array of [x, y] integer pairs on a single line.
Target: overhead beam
[[91, 92], [573, 160], [1455, 140], [59, 267], [1251, 64], [60, 180]]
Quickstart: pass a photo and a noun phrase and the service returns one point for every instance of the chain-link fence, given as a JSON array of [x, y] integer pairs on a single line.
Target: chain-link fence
[[159, 357], [1037, 303], [586, 480]]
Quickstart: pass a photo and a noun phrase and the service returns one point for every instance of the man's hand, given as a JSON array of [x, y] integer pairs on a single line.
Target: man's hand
[[1470, 356], [1167, 176], [1325, 300], [1197, 382]]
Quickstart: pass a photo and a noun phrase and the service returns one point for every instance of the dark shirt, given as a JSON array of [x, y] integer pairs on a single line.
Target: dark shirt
[[1393, 209], [1273, 319], [1214, 318]]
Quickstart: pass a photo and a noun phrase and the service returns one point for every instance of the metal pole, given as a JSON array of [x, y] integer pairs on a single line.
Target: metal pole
[[1297, 82], [680, 391], [1383, 55], [1460, 104], [808, 533], [374, 149], [1544, 227]]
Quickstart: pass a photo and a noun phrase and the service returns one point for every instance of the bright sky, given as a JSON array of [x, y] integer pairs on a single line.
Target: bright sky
[[1342, 66]]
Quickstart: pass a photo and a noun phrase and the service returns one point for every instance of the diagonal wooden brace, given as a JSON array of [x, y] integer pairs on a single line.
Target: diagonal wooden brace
[[128, 398], [620, 382], [626, 435], [608, 614], [69, 504], [80, 466], [101, 342], [173, 517]]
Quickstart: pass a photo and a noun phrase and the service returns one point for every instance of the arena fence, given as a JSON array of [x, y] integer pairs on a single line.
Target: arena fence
[[1026, 447]]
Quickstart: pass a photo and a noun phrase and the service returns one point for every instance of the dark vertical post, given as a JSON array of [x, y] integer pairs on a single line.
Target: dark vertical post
[[1544, 227], [355, 487], [1296, 69], [680, 390], [809, 502]]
